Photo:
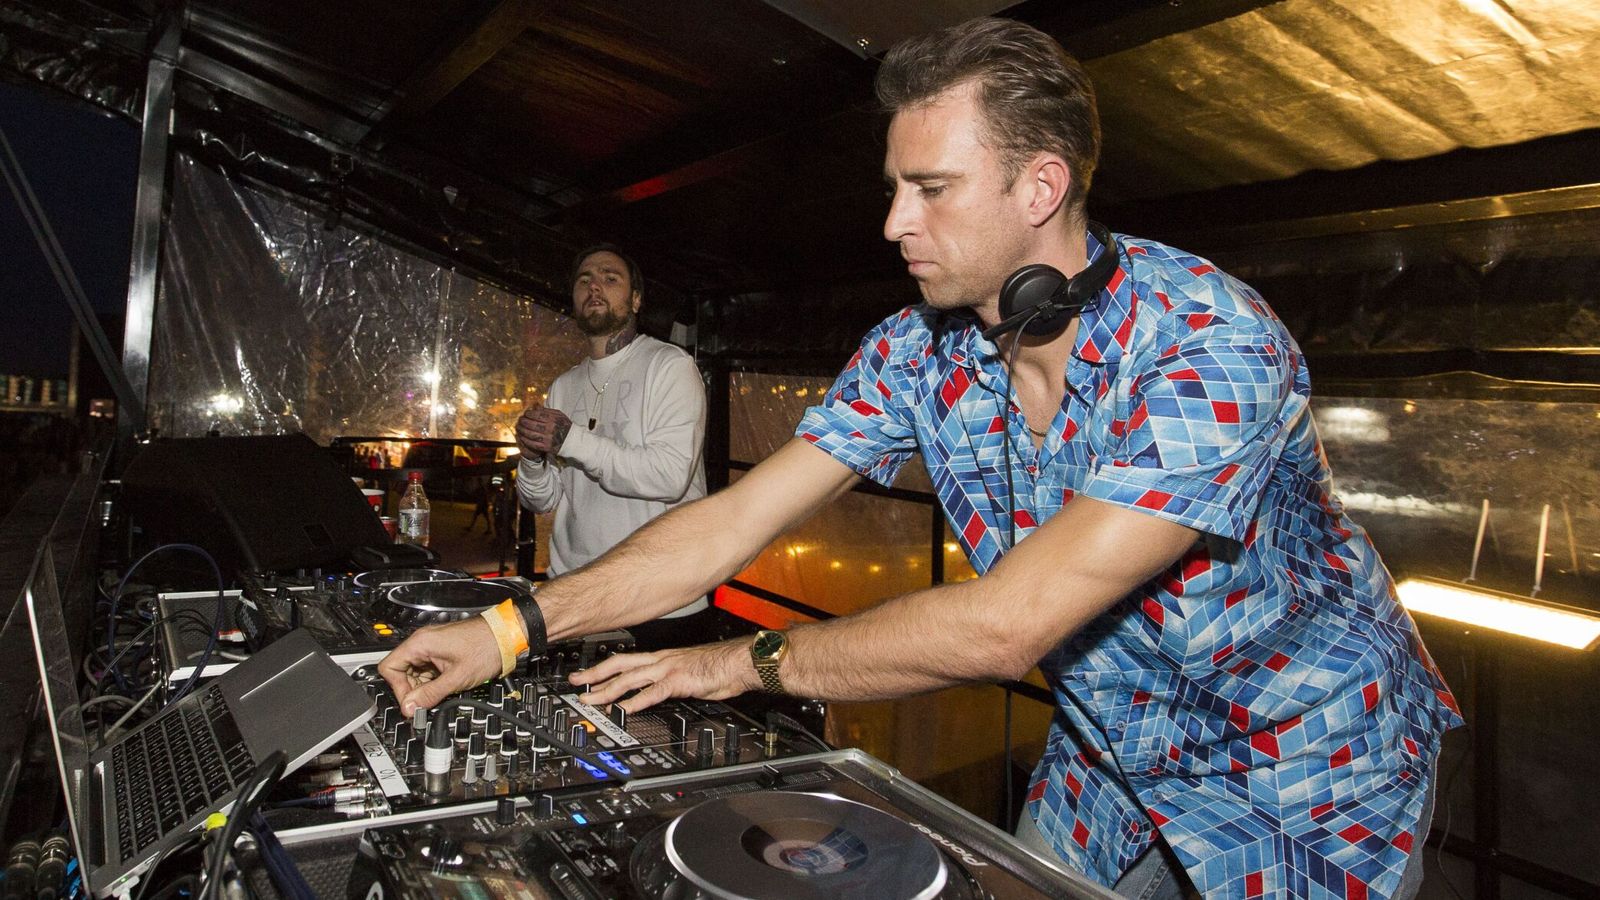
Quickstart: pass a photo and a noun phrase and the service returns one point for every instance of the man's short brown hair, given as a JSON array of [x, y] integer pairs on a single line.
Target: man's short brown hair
[[1035, 97]]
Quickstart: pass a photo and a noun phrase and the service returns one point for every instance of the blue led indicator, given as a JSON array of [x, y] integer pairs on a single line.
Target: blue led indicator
[[598, 773], [579, 818], [616, 765]]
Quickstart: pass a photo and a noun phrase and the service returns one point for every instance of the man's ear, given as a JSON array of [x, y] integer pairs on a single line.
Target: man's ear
[[1047, 180], [638, 300]]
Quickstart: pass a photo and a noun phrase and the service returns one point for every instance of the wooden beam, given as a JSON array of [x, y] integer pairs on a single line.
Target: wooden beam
[[454, 62]]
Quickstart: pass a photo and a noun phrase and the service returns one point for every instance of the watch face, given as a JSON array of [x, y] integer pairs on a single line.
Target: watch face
[[767, 644]]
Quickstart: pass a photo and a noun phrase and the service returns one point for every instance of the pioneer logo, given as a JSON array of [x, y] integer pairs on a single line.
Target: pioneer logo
[[961, 852]]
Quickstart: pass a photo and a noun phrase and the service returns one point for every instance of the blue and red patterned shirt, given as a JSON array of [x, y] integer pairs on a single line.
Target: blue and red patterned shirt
[[1265, 704]]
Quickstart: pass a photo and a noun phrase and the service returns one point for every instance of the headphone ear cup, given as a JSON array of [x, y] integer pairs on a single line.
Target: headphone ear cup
[[1028, 287]]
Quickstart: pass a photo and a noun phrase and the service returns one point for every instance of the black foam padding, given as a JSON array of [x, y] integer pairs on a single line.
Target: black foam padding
[[261, 504]]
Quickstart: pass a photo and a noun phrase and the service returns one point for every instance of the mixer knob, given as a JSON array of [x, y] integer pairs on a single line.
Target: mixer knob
[[619, 716], [732, 734], [579, 736], [443, 851], [463, 729], [705, 746], [544, 806], [413, 752], [475, 746], [497, 693], [505, 812]]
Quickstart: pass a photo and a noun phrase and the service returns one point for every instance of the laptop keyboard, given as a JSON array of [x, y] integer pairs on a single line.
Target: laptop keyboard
[[182, 765]]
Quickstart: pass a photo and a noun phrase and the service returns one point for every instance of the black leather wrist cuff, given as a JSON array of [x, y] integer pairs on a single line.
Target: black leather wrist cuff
[[533, 622]]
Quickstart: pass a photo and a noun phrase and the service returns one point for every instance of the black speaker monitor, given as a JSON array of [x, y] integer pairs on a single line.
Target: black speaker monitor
[[258, 504]]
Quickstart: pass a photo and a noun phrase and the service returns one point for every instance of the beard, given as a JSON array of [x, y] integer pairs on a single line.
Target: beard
[[603, 321]]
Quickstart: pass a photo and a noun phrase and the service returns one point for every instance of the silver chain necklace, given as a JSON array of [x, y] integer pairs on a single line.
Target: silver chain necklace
[[599, 392]]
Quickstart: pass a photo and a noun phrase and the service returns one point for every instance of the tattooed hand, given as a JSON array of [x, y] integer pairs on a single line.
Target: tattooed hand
[[542, 430]]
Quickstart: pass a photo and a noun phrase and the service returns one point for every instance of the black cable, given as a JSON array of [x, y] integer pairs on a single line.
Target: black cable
[[281, 867], [211, 645], [777, 719], [189, 842], [1011, 541], [255, 787], [184, 883]]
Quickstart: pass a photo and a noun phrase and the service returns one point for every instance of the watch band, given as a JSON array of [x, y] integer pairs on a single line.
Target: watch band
[[533, 624], [770, 682]]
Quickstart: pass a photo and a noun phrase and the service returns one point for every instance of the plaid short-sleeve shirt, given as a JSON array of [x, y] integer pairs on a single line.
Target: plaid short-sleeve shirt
[[1265, 704]]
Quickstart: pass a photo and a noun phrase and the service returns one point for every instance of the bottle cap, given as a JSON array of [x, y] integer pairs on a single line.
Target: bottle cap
[[414, 476]]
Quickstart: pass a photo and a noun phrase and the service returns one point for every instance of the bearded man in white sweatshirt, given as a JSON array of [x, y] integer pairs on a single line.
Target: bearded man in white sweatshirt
[[620, 440]]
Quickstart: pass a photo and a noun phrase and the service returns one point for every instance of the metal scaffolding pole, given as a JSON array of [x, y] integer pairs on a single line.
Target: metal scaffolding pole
[[148, 212]]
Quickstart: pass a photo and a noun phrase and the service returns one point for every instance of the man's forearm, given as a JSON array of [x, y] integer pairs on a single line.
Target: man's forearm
[[695, 547], [992, 628], [659, 568]]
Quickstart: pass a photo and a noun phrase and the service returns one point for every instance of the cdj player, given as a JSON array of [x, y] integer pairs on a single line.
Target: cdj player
[[829, 825], [356, 618]]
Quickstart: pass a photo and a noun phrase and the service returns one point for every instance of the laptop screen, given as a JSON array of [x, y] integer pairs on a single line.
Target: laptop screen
[[59, 678]]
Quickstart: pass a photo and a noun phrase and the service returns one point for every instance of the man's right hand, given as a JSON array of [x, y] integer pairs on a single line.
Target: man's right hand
[[440, 660]]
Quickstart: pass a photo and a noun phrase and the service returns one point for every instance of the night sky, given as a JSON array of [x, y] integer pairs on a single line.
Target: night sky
[[82, 165]]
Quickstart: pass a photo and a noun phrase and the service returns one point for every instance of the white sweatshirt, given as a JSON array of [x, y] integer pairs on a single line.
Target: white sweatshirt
[[642, 457]]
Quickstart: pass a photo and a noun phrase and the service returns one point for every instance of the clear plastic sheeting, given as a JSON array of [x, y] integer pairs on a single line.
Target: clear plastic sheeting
[[1524, 283], [1415, 474], [765, 409], [1336, 84], [859, 550], [269, 322]]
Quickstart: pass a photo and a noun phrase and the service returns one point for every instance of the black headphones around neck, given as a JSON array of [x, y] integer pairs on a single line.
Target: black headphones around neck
[[1040, 300]]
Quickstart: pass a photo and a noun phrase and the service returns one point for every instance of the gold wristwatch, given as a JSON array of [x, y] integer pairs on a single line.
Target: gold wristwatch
[[768, 650]]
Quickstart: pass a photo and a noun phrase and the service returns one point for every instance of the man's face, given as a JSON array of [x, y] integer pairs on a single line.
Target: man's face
[[959, 229], [603, 297]]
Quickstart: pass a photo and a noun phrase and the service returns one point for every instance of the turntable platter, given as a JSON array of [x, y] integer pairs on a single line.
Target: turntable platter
[[802, 847], [384, 577], [427, 602]]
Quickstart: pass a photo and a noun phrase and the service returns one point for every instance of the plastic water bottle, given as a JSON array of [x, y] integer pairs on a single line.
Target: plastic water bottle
[[414, 513]]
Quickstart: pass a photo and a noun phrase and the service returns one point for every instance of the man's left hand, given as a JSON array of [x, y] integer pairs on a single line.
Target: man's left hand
[[543, 430], [709, 671]]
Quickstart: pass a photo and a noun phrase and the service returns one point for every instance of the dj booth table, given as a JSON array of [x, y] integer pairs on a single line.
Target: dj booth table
[[700, 799]]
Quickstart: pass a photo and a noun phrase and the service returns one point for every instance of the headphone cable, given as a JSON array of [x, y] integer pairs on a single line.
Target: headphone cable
[[1011, 541]]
